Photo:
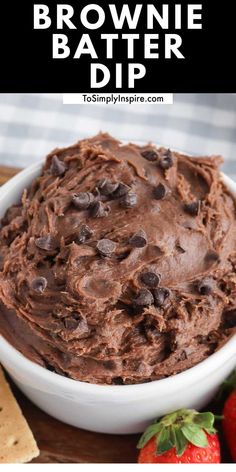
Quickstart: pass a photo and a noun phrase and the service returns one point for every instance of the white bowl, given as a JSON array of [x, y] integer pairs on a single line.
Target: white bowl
[[110, 409]]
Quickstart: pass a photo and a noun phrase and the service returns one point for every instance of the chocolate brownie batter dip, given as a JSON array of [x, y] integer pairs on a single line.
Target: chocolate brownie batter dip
[[118, 266]]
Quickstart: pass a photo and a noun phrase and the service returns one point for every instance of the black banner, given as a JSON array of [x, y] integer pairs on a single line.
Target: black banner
[[74, 46]]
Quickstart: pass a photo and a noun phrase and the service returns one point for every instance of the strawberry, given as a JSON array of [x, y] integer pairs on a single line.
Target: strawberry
[[184, 436], [229, 423]]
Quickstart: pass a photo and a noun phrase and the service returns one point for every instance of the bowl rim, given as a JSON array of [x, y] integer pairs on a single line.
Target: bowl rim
[[198, 371], [16, 358]]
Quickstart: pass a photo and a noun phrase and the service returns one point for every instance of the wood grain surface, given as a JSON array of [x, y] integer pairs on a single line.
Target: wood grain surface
[[6, 173], [61, 443]]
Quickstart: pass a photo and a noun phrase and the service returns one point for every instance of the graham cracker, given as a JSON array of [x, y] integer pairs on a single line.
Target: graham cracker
[[17, 444]]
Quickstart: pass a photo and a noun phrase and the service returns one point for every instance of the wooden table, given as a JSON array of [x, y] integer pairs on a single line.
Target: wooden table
[[60, 443]]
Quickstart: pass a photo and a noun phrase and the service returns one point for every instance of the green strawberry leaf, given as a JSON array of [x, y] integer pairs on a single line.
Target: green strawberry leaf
[[179, 428], [180, 441], [151, 431], [210, 430], [205, 420], [172, 434], [195, 435], [163, 441]]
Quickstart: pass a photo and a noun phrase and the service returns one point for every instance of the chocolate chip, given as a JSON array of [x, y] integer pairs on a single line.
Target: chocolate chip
[[214, 336], [139, 239], [152, 333], [192, 208], [99, 210], [78, 323], [201, 339], [229, 318], [150, 155], [180, 249], [166, 160], [47, 243], [1, 262], [109, 365], [205, 286], [84, 233], [48, 366], [101, 183], [150, 279], [160, 295], [160, 191], [117, 381], [96, 194], [129, 200], [122, 190], [106, 247], [144, 298], [106, 187], [212, 256], [183, 356], [39, 284], [82, 200], [58, 167], [71, 324]]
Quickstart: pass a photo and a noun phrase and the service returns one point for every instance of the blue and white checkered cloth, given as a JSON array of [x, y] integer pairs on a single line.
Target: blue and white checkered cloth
[[32, 125]]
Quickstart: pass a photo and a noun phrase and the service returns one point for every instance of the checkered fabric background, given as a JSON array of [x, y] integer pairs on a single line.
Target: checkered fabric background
[[32, 125]]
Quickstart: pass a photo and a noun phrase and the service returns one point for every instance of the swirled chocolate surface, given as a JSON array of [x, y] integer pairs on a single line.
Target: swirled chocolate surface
[[118, 265]]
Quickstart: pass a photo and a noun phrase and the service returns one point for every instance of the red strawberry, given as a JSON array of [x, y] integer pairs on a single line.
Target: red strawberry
[[229, 423], [184, 436]]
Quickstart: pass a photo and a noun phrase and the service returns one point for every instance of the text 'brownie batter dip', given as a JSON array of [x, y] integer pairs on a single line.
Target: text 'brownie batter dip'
[[118, 266]]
